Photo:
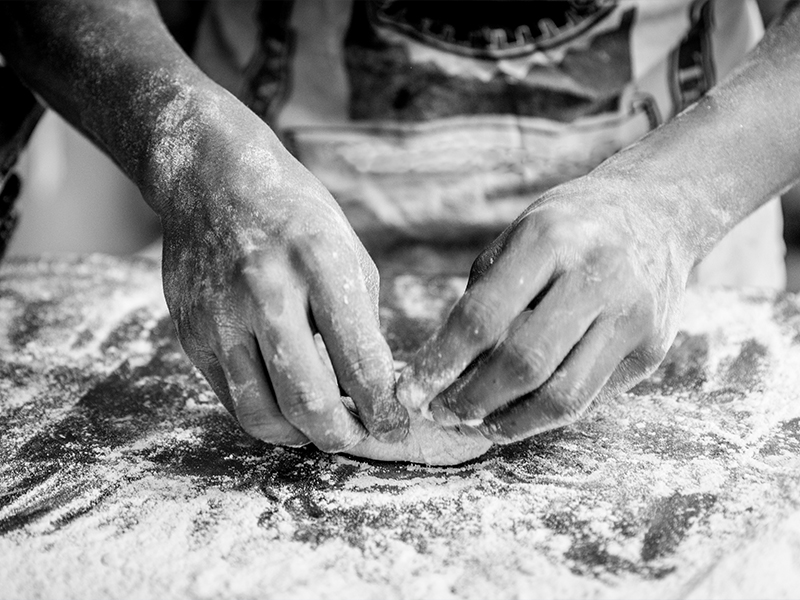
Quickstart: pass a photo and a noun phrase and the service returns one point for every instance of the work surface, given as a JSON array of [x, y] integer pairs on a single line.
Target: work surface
[[121, 476]]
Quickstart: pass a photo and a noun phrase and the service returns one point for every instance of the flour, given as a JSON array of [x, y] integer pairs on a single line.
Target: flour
[[120, 475]]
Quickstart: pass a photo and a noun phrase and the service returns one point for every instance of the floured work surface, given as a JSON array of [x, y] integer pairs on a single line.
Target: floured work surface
[[120, 476]]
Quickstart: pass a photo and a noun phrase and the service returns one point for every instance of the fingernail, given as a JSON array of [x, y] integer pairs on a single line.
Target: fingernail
[[297, 444], [443, 416]]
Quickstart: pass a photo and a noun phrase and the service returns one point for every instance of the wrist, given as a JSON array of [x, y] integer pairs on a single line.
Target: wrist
[[204, 147], [693, 178], [178, 122], [669, 210], [733, 150]]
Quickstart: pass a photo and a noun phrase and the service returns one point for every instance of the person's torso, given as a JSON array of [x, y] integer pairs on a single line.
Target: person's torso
[[437, 119]]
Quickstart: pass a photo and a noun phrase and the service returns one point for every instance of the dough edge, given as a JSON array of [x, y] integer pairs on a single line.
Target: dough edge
[[427, 443]]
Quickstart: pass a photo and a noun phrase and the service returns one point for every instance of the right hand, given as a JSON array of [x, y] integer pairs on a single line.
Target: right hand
[[258, 258], [577, 300]]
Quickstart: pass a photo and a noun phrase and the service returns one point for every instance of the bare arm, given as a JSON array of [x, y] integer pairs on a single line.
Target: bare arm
[[258, 257], [733, 150], [580, 297], [100, 64]]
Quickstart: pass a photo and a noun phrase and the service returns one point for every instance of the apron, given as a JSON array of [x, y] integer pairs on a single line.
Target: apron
[[431, 123]]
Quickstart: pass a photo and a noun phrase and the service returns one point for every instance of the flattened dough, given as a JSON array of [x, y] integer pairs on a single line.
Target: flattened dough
[[413, 306], [427, 443]]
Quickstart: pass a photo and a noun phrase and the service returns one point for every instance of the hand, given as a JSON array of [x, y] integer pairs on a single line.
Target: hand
[[258, 258], [578, 298]]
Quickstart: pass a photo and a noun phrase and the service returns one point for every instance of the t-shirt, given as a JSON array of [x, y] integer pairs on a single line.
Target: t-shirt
[[443, 120]]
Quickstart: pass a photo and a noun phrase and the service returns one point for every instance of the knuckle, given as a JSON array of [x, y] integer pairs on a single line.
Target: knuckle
[[263, 284], [305, 404], [368, 355], [551, 232], [316, 245], [553, 228], [252, 271], [610, 260], [557, 234], [367, 370], [476, 318], [257, 272], [309, 240], [608, 264], [525, 364], [568, 401], [532, 224]]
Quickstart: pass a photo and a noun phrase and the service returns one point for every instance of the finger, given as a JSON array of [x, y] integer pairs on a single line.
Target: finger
[[306, 392], [537, 342], [637, 366], [343, 312], [208, 364], [371, 277], [477, 321], [567, 394], [253, 400]]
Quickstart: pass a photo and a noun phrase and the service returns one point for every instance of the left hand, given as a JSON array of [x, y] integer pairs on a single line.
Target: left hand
[[578, 298]]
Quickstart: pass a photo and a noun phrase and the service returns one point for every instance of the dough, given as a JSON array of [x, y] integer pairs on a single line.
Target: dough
[[427, 443]]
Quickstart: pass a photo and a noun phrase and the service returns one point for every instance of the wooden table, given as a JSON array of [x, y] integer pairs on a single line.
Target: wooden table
[[121, 477]]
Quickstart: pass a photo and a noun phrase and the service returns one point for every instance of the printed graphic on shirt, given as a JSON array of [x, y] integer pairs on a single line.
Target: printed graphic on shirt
[[579, 70], [490, 30]]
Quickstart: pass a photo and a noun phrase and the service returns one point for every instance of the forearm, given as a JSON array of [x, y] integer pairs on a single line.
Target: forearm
[[726, 155], [113, 71]]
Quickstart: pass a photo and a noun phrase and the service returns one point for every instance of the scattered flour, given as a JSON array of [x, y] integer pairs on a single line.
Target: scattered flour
[[121, 477]]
